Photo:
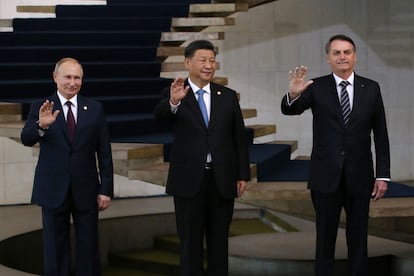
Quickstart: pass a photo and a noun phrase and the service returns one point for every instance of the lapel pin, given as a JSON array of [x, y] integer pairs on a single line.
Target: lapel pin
[[362, 85], [219, 93], [85, 107]]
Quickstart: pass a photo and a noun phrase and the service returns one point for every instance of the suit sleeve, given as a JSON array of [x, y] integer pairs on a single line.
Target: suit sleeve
[[241, 143], [104, 155], [299, 105], [382, 148], [30, 135], [162, 110]]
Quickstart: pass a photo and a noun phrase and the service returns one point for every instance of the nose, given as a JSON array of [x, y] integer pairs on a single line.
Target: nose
[[72, 81], [209, 64]]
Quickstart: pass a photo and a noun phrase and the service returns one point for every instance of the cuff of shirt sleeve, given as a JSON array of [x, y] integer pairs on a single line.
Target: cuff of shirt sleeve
[[174, 107], [289, 101]]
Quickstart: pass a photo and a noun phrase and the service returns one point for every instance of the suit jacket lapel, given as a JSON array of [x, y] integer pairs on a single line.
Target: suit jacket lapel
[[60, 120], [358, 93], [213, 102], [334, 94]]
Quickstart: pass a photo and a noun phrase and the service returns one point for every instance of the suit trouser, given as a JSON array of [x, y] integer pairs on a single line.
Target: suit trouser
[[56, 240], [328, 210], [206, 213]]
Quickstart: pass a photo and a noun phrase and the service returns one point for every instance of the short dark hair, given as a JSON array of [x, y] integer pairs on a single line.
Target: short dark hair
[[198, 45], [339, 37]]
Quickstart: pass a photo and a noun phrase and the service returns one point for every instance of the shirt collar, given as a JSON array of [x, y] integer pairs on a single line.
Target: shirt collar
[[196, 88], [63, 100], [350, 79]]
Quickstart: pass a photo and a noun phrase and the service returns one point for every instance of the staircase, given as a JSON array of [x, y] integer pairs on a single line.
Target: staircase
[[129, 54], [123, 47]]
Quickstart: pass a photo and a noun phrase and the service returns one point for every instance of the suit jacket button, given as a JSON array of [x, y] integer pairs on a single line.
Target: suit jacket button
[[343, 152]]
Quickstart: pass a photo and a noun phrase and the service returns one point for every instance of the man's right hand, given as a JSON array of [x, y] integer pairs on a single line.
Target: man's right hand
[[46, 117], [178, 91], [297, 82]]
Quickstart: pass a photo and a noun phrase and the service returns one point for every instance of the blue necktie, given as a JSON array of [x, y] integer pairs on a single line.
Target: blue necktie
[[345, 106], [202, 105]]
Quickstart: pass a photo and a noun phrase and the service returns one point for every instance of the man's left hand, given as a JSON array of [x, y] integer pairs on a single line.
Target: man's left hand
[[380, 187], [241, 187], [103, 202]]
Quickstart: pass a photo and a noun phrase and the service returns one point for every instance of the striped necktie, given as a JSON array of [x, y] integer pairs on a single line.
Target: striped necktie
[[345, 106]]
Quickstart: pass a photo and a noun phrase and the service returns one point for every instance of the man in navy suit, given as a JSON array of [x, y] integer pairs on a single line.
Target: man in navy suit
[[67, 180], [346, 109], [209, 163]]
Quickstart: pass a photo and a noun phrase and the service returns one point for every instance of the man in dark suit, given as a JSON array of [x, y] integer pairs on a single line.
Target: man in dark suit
[[67, 181], [209, 163], [346, 109]]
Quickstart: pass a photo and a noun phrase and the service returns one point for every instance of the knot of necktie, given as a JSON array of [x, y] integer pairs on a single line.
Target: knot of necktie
[[344, 84]]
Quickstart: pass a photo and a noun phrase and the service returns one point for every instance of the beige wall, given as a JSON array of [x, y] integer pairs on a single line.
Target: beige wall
[[271, 39]]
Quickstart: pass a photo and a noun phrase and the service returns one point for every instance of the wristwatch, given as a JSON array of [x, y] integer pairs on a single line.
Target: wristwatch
[[40, 128]]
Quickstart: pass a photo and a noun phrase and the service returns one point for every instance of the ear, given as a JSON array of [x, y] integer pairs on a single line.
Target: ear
[[187, 62], [54, 76]]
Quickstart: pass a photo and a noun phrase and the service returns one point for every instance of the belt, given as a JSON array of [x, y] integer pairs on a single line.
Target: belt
[[208, 166]]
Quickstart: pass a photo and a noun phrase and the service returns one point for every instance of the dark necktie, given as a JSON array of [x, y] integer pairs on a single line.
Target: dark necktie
[[70, 120], [345, 106], [202, 105]]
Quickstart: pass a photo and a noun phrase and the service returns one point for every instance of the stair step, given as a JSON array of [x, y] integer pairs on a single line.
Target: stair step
[[6, 23], [220, 9], [262, 130], [251, 3], [168, 37], [169, 243], [392, 207], [10, 112], [11, 129], [164, 257], [249, 113], [10, 108], [294, 198], [167, 51], [277, 190], [221, 80], [142, 9], [199, 23], [151, 260], [96, 53], [121, 271], [155, 174], [93, 24], [127, 151], [158, 173], [83, 38], [36, 8], [292, 143]]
